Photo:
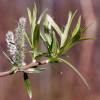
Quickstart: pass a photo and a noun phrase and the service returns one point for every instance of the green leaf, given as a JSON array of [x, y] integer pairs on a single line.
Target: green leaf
[[67, 27], [87, 38], [36, 36], [76, 29], [45, 40], [34, 11], [29, 16], [35, 41], [28, 39], [53, 59], [76, 38], [27, 85], [43, 37], [35, 70], [41, 16], [41, 54], [33, 21], [48, 39], [54, 44], [70, 43], [53, 24], [70, 19], [75, 70], [66, 48]]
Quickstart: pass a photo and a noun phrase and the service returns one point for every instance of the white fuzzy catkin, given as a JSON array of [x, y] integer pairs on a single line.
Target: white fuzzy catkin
[[16, 45], [20, 39], [11, 44], [20, 30]]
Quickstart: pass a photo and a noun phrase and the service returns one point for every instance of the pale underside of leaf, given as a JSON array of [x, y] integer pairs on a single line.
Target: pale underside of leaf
[[54, 25], [34, 18], [29, 15], [35, 70], [41, 16]]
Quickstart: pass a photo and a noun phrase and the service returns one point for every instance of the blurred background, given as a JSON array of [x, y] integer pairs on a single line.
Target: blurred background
[[58, 82]]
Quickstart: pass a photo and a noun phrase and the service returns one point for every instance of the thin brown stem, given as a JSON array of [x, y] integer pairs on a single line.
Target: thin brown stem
[[6, 73], [31, 65]]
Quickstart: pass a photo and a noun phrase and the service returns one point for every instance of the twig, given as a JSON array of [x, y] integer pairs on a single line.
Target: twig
[[6, 73], [31, 65]]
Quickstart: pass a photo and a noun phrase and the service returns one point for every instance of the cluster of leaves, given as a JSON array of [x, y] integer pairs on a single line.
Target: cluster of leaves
[[45, 28]]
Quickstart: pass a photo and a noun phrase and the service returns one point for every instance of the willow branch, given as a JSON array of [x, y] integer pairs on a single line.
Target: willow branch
[[31, 65], [6, 73]]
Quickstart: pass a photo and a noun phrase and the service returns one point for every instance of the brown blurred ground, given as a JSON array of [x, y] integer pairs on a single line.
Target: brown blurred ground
[[51, 84]]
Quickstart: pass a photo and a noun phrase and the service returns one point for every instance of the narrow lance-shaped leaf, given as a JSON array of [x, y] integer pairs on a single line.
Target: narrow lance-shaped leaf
[[27, 85], [70, 19], [75, 70], [29, 16], [46, 24], [76, 39], [86, 38], [67, 27], [35, 40], [28, 39], [41, 54], [43, 38], [76, 29], [45, 41], [65, 34], [47, 32], [33, 25], [54, 25], [35, 70], [54, 43], [36, 36], [71, 42], [48, 39], [66, 48], [34, 11], [41, 16]]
